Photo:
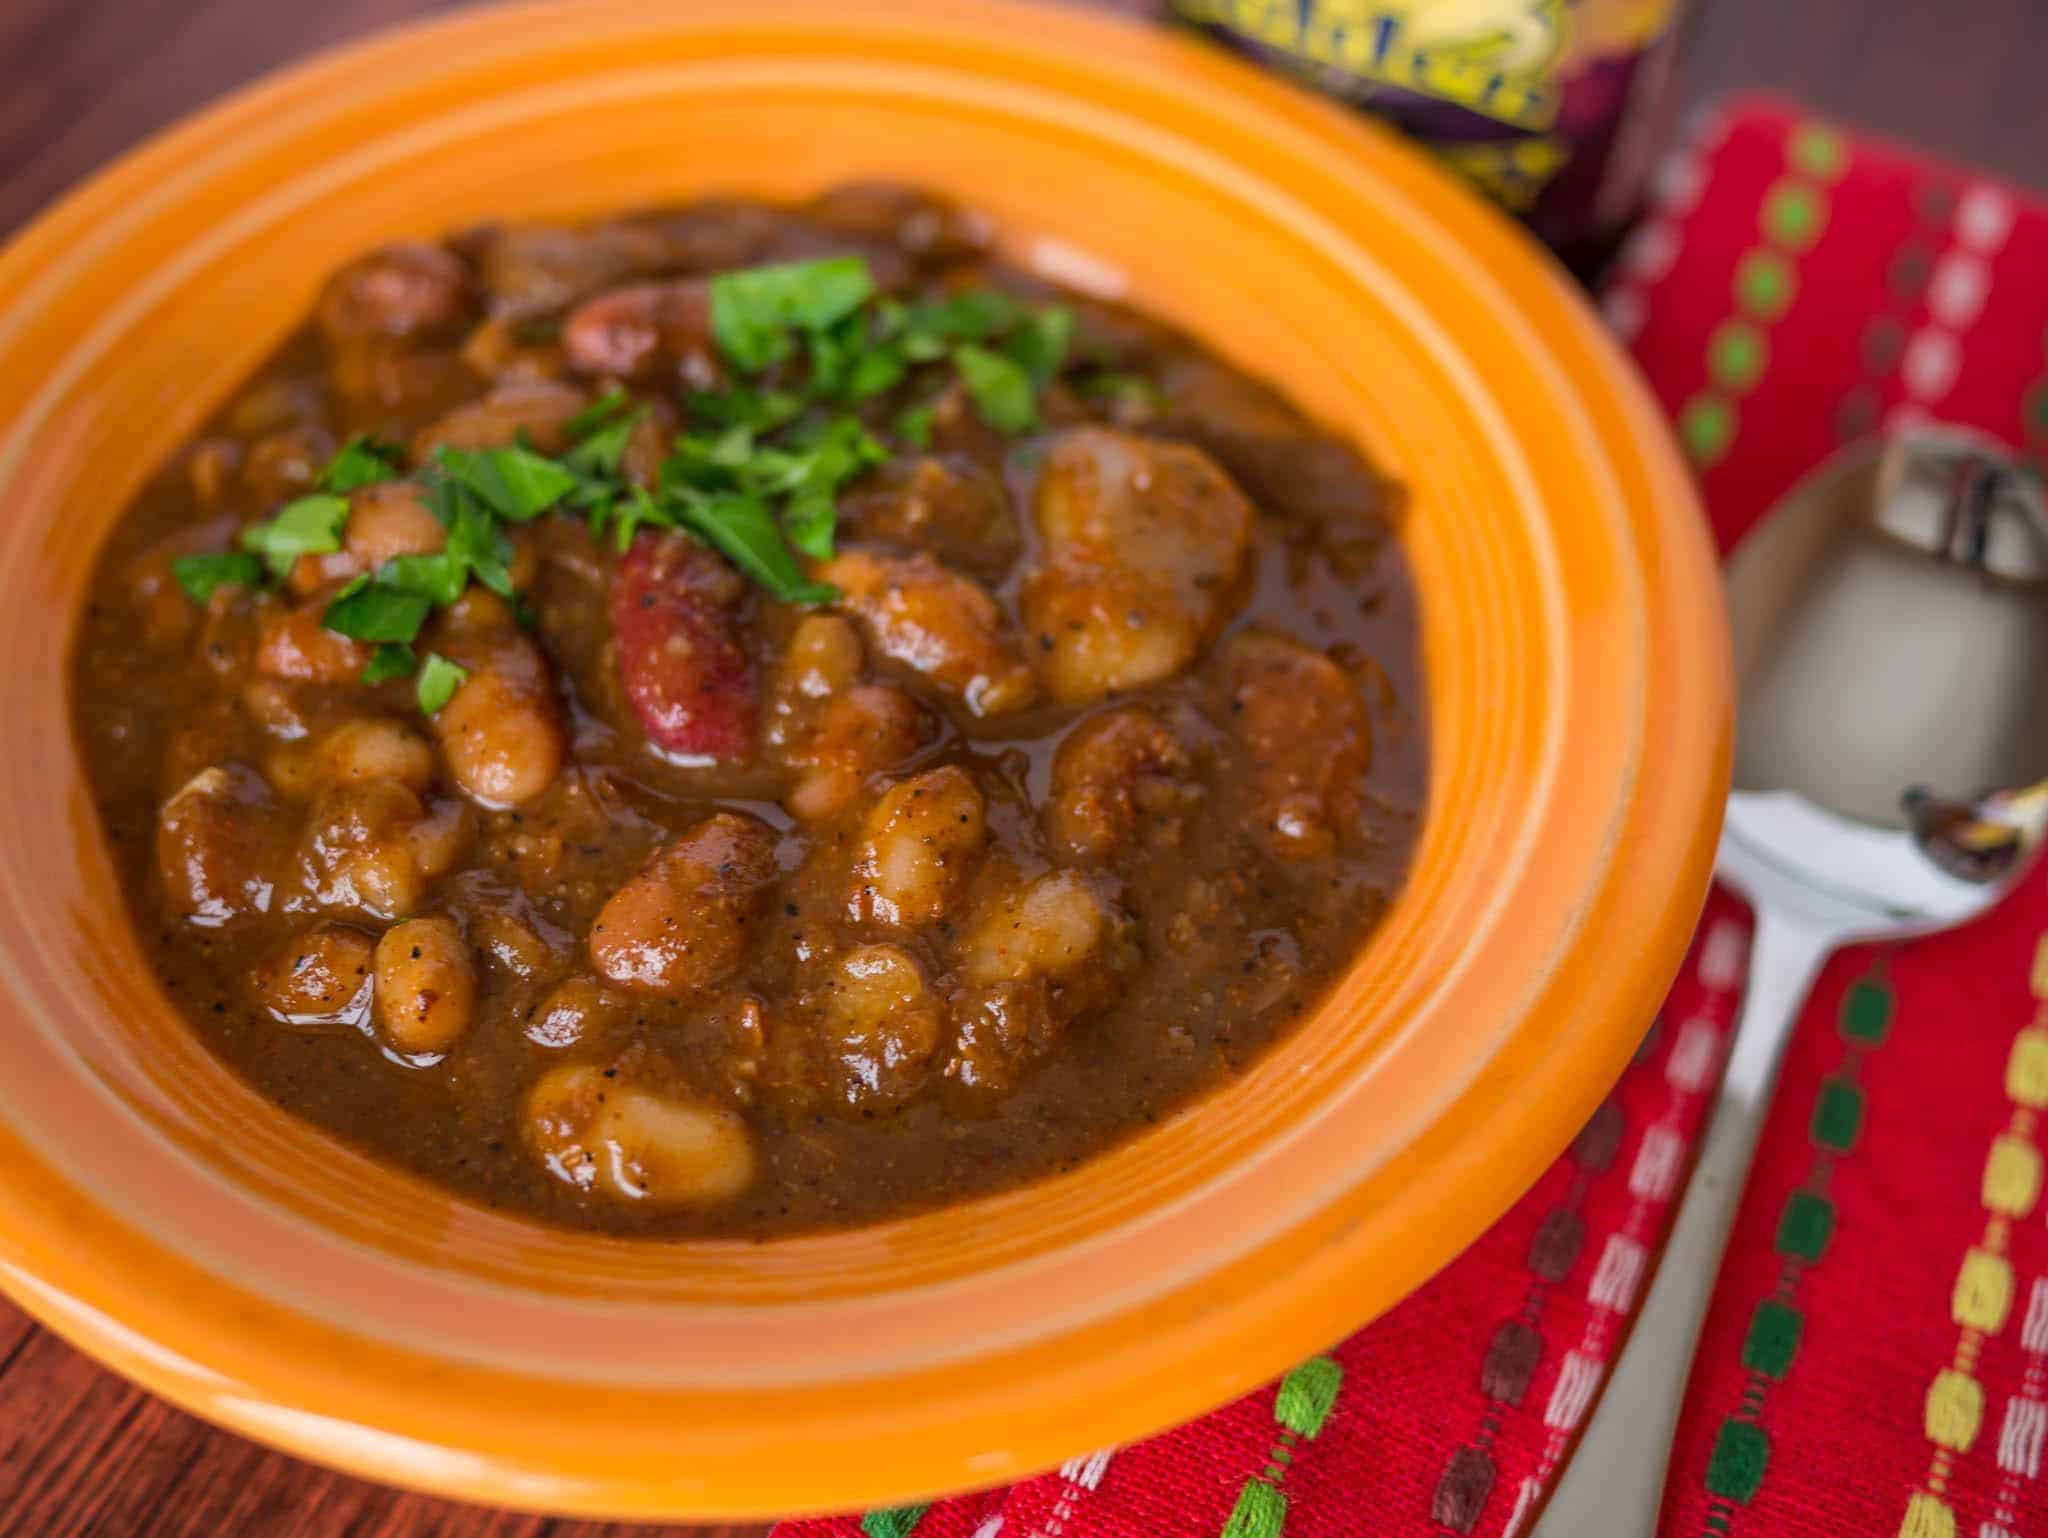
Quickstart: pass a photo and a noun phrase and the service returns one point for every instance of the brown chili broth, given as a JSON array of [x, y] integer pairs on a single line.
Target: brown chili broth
[[1221, 975]]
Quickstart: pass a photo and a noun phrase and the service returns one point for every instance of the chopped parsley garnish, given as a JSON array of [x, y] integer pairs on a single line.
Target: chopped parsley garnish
[[738, 525], [367, 610], [913, 425], [756, 472], [999, 387], [1119, 389], [362, 461], [754, 311], [975, 315], [439, 679], [601, 449], [515, 483], [1039, 344], [761, 410], [439, 579], [393, 659], [600, 411], [199, 575], [309, 526]]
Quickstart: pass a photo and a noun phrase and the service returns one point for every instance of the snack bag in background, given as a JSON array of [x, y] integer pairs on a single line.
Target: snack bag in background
[[1556, 108]]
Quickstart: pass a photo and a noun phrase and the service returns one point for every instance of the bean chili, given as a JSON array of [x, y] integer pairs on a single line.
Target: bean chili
[[739, 720]]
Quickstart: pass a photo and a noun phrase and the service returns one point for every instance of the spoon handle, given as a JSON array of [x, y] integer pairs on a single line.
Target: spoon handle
[[1615, 1481]]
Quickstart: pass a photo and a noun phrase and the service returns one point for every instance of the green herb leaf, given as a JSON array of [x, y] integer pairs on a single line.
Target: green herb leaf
[[635, 509], [200, 575], [612, 404], [739, 527], [439, 579], [1120, 389], [309, 526], [362, 461], [439, 679], [977, 315], [515, 483], [810, 520], [369, 611], [702, 463], [476, 541], [829, 453], [1040, 344], [393, 659], [731, 449], [753, 310], [913, 425], [762, 410], [601, 451], [877, 370], [833, 353], [1000, 388]]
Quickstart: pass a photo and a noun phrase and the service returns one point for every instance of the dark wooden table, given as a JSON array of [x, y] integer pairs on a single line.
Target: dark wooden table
[[81, 1452]]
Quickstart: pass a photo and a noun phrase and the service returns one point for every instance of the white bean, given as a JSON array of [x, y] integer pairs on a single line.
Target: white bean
[[1047, 929], [426, 985], [616, 1139], [920, 841]]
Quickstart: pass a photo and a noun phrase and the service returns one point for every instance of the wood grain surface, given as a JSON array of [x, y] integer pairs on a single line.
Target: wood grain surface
[[83, 1455]]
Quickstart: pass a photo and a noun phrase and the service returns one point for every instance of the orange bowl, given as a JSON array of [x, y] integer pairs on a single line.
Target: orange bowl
[[157, 1212]]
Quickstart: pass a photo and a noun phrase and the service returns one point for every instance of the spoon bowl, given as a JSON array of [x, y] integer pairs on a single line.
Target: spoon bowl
[[1887, 615]]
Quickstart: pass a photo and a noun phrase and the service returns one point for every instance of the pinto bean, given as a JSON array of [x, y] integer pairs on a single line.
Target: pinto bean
[[879, 1023], [919, 844], [219, 846], [426, 985], [823, 657], [506, 348], [501, 731], [611, 1137], [680, 925], [405, 290], [533, 269], [1109, 773], [831, 729], [938, 623], [575, 1009], [646, 329], [1143, 545], [1303, 729], [373, 847], [278, 710], [376, 748], [1049, 928], [386, 520], [291, 643], [507, 938], [285, 463], [1032, 960], [903, 217], [166, 616], [538, 408], [210, 465], [946, 505], [321, 980], [368, 748], [868, 728]]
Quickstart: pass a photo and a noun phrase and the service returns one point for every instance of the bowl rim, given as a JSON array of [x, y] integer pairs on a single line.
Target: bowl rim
[[50, 1243]]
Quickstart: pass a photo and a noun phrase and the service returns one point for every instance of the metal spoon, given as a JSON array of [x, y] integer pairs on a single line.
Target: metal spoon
[[1889, 617]]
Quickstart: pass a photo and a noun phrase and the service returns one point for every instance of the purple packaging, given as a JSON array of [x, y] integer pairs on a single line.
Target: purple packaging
[[1556, 108]]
